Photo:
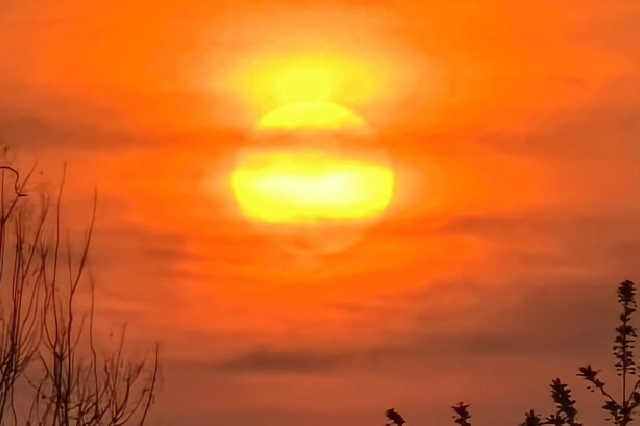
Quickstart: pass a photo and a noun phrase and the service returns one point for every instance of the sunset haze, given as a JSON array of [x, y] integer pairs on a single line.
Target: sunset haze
[[322, 210]]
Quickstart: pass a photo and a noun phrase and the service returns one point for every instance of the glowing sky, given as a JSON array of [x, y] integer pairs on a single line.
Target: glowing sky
[[513, 130]]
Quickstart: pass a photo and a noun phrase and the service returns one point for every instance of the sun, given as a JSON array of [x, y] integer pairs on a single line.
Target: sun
[[286, 187], [314, 164]]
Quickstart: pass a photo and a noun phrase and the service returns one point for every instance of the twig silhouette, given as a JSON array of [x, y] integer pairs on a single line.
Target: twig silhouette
[[17, 184], [50, 355]]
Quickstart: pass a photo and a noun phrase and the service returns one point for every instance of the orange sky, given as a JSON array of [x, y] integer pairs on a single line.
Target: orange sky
[[513, 130]]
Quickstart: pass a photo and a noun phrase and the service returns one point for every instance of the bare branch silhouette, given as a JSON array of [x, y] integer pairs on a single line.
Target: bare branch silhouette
[[17, 188], [49, 353]]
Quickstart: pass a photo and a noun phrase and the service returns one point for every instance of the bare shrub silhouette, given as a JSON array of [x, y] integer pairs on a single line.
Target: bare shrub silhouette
[[620, 411], [52, 370]]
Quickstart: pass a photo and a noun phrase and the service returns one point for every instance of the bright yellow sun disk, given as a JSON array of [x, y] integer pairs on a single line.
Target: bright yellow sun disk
[[288, 188], [309, 184]]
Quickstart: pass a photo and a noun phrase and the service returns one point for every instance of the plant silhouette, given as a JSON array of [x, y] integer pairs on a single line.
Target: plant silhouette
[[50, 356], [394, 418], [620, 411]]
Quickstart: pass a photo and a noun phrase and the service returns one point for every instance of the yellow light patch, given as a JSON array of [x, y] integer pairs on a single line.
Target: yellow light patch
[[305, 83], [310, 186], [312, 115]]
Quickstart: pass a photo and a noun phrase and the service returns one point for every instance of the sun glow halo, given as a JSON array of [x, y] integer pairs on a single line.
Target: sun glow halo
[[311, 82]]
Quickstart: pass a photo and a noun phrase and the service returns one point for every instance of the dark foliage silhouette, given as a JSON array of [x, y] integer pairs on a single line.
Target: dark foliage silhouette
[[394, 418], [620, 411]]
